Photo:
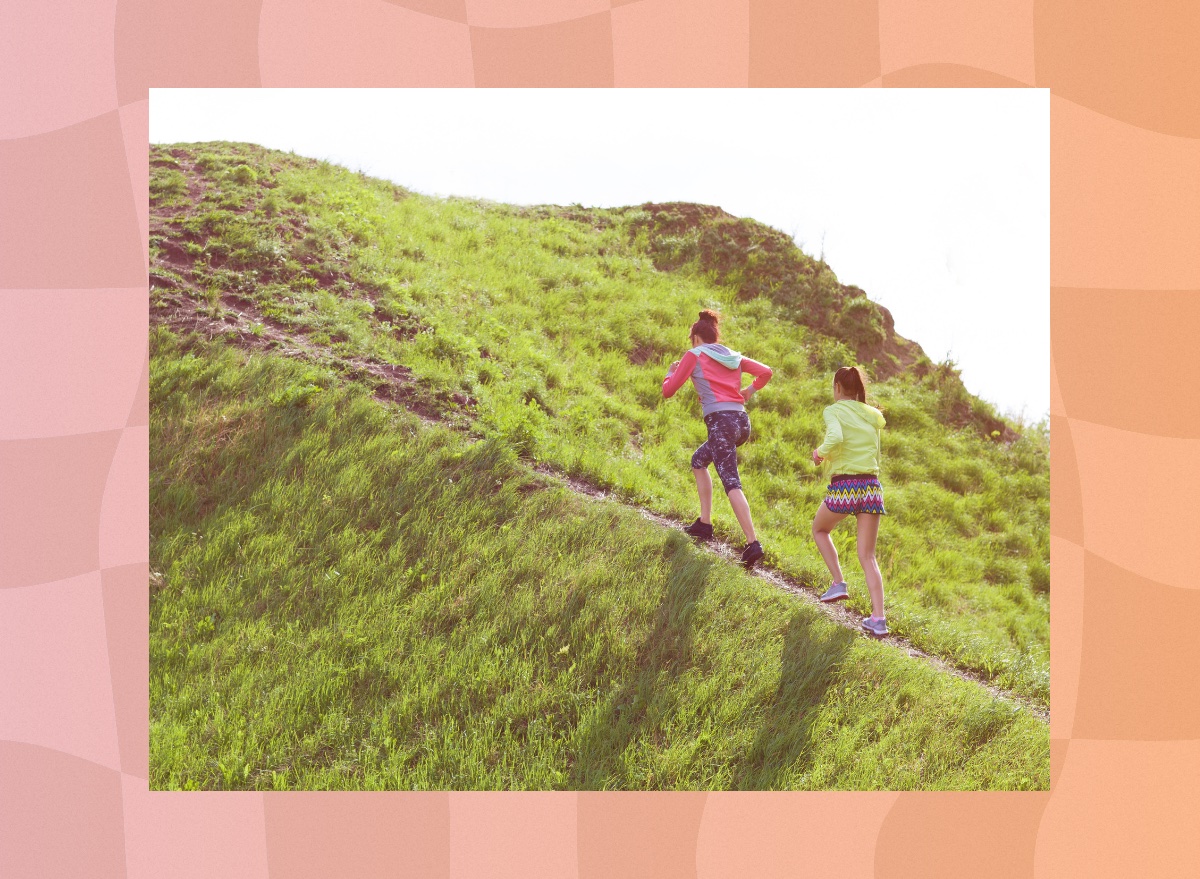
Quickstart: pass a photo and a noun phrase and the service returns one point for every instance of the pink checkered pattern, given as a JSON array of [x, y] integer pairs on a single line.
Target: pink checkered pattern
[[74, 438]]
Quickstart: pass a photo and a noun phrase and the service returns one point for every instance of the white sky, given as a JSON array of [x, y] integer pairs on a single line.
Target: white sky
[[936, 202]]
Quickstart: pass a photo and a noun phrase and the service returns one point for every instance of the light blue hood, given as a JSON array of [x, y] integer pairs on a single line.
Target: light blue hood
[[719, 353]]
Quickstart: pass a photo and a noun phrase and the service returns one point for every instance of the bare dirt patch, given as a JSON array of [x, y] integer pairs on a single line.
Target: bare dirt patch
[[644, 353], [178, 302]]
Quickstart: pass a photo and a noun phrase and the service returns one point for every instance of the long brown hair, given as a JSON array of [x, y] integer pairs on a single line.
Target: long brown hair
[[706, 328], [853, 381]]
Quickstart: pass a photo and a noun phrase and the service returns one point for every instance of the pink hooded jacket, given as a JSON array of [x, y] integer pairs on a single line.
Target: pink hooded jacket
[[719, 386]]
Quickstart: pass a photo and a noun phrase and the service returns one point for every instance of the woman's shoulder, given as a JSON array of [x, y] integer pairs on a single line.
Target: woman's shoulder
[[874, 415], [852, 408]]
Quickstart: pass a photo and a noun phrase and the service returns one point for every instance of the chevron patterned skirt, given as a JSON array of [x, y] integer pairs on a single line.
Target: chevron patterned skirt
[[855, 493]]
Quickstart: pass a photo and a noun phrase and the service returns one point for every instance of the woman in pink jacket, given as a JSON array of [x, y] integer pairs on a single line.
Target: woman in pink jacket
[[716, 373]]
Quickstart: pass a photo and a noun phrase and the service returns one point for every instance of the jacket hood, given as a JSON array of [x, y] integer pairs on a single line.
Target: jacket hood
[[868, 414], [719, 353]]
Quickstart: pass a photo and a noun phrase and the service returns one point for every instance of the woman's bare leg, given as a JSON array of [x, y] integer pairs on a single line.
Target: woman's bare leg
[[868, 532], [823, 523], [704, 489], [741, 509]]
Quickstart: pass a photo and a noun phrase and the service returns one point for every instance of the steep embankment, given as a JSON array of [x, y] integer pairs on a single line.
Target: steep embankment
[[346, 597], [546, 330]]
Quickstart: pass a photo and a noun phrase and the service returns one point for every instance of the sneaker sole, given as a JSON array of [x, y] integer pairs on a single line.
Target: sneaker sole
[[875, 634], [750, 563], [835, 598]]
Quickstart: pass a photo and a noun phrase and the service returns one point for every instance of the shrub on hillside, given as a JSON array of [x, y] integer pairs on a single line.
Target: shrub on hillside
[[244, 174], [211, 161], [860, 323], [519, 427], [829, 354], [167, 182]]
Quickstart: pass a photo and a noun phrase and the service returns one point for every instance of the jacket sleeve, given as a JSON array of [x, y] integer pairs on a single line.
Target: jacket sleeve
[[679, 377], [833, 433], [760, 371]]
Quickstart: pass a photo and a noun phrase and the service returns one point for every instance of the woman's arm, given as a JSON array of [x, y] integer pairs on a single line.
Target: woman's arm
[[676, 379], [761, 372], [833, 434]]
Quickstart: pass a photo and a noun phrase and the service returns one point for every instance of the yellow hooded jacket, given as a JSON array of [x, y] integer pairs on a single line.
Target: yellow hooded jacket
[[851, 442]]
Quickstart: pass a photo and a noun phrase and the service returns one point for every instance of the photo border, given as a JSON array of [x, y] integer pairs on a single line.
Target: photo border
[[74, 437]]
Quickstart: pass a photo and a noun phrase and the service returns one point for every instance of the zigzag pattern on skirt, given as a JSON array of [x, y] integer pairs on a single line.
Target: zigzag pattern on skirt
[[855, 494]]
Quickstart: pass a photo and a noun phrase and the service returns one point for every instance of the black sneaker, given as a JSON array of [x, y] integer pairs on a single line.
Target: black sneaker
[[752, 553], [700, 530]]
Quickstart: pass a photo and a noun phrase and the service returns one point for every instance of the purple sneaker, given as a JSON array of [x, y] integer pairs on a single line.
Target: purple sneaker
[[877, 627], [836, 592]]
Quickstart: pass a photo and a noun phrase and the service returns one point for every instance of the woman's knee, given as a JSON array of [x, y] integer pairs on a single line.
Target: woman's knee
[[725, 460]]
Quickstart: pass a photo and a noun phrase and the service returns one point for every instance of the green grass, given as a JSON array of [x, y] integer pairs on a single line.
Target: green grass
[[558, 323], [348, 598]]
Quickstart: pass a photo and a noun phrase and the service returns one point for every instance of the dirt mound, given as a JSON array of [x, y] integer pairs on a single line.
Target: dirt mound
[[179, 301]]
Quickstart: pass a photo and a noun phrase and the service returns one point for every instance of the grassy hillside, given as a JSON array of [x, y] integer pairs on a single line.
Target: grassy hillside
[[353, 599], [304, 568]]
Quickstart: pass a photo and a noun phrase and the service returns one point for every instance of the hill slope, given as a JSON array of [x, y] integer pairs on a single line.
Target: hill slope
[[547, 331]]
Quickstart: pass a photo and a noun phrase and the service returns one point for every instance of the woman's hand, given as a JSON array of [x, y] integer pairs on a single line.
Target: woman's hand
[[747, 393], [671, 369], [817, 459]]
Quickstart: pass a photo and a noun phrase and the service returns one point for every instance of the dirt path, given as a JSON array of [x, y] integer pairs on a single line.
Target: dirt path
[[836, 611], [243, 326]]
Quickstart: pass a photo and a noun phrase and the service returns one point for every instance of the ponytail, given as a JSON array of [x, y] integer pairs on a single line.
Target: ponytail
[[853, 381]]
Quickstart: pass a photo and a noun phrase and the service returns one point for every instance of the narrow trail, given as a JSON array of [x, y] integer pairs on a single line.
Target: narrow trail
[[238, 320], [837, 611], [243, 326]]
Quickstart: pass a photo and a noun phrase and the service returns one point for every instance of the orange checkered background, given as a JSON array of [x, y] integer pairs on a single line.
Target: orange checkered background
[[1125, 311]]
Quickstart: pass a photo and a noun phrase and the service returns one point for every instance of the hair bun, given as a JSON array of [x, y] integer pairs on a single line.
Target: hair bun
[[706, 328]]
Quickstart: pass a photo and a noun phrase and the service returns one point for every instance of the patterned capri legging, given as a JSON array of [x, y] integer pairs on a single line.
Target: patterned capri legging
[[726, 431]]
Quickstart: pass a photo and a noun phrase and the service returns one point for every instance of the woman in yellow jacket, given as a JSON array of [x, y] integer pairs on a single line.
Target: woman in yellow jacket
[[851, 451]]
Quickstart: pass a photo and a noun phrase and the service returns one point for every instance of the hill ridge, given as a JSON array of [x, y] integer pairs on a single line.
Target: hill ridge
[[758, 259]]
